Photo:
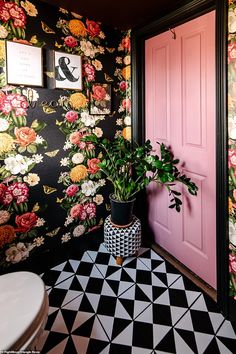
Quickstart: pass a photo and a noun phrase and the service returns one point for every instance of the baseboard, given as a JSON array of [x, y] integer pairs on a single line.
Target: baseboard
[[185, 271]]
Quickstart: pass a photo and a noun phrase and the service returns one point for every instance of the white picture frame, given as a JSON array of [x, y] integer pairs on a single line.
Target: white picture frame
[[67, 71], [24, 64]]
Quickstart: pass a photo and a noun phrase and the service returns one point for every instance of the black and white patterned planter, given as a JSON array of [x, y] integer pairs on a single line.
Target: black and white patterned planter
[[122, 242]]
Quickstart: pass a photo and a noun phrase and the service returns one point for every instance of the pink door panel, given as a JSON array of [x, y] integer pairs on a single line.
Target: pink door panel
[[180, 111]]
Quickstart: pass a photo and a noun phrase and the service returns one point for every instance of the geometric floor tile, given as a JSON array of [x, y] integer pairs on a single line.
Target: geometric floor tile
[[144, 306]]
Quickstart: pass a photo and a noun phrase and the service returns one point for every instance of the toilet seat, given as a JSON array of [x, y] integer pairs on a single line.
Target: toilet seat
[[23, 309]]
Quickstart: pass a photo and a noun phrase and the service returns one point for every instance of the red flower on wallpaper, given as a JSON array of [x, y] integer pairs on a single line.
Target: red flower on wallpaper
[[93, 28], [11, 11], [26, 222]]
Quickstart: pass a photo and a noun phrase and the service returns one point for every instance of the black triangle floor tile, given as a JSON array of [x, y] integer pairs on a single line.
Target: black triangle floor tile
[[85, 268], [142, 335], [75, 285], [120, 349], [56, 297], [94, 285], [212, 348], [114, 285], [107, 305], [50, 277], [228, 343], [201, 322], [144, 277], [85, 329], [140, 295], [118, 326], [85, 305], [132, 264], [69, 318], [125, 276], [111, 270], [50, 320], [70, 347], [167, 344], [96, 346], [178, 298], [53, 339], [162, 277], [68, 268], [128, 305], [162, 315], [157, 292], [189, 338]]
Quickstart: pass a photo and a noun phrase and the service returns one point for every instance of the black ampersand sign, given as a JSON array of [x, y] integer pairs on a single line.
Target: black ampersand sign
[[64, 66]]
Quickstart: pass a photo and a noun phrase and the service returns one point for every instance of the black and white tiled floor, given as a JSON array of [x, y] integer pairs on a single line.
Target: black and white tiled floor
[[144, 307]]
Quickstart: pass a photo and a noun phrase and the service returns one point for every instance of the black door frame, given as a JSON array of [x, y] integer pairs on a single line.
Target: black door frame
[[187, 12]]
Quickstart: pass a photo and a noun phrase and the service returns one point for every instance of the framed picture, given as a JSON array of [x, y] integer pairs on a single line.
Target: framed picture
[[67, 71], [100, 99], [23, 64]]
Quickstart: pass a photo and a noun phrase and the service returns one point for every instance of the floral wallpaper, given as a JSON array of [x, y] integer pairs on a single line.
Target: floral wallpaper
[[51, 189], [232, 143]]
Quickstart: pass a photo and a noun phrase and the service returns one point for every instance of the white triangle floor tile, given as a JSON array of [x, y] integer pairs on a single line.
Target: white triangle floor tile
[[163, 299], [83, 280], [52, 309], [185, 322], [107, 323], [139, 307], [159, 332], [125, 337], [147, 289], [59, 267], [181, 346], [157, 282], [63, 276], [131, 272], [137, 350], [216, 320], [94, 300], [102, 268], [114, 276], [80, 318], [59, 324], [161, 268], [70, 295], [191, 296], [106, 350], [171, 278], [59, 348], [81, 343], [179, 284], [177, 313], [123, 286], [65, 284], [98, 331], [199, 305], [74, 304], [226, 330], [74, 264], [146, 316], [96, 273], [107, 290], [129, 293], [88, 257], [202, 341]]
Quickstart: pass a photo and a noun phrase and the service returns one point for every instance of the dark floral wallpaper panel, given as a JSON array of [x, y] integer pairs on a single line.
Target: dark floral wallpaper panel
[[51, 188]]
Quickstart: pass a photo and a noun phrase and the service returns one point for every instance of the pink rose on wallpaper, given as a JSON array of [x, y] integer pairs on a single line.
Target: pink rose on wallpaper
[[10, 10], [123, 85], [93, 165], [93, 28], [89, 72], [232, 158], [71, 116], [26, 222], [126, 104], [72, 190], [90, 209], [75, 137], [77, 211], [232, 264], [99, 93], [70, 41]]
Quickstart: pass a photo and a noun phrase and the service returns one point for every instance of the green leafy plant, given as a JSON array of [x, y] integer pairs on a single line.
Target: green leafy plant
[[131, 167]]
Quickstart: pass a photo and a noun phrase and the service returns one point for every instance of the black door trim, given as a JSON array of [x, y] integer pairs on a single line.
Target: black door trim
[[187, 12]]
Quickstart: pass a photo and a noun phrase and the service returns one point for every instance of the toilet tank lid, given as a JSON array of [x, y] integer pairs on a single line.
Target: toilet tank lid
[[21, 298]]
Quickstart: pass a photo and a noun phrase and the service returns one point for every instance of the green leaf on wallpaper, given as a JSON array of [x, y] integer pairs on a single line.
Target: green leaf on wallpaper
[[48, 109], [21, 149], [37, 126], [50, 74], [32, 149], [32, 233]]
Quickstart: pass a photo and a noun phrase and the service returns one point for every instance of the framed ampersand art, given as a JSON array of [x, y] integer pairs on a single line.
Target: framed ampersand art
[[67, 71]]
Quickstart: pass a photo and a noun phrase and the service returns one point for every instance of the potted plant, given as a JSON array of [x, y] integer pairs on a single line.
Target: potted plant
[[131, 167]]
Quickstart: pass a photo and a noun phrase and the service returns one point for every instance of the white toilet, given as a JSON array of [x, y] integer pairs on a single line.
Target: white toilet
[[23, 310]]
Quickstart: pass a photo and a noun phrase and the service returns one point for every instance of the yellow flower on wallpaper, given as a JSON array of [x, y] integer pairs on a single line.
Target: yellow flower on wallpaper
[[126, 72], [6, 143], [77, 100], [7, 234], [2, 50], [78, 173], [77, 28], [127, 133], [29, 8]]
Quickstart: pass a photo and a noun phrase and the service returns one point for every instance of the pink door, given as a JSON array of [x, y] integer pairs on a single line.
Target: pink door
[[180, 112]]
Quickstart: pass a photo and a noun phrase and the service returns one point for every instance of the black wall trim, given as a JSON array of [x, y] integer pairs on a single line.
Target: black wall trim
[[185, 13]]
